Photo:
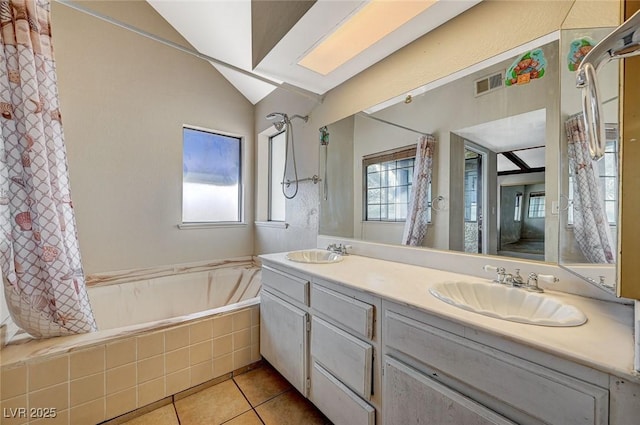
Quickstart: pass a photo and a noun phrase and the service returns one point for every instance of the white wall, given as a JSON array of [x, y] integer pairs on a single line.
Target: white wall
[[124, 99]]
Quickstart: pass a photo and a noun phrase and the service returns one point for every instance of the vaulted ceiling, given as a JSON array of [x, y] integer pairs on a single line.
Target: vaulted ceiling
[[269, 38]]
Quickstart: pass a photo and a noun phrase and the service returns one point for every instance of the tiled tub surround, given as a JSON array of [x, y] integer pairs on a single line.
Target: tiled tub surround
[[90, 378]]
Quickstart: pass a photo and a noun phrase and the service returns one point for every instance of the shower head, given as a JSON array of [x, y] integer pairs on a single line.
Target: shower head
[[282, 118], [280, 115]]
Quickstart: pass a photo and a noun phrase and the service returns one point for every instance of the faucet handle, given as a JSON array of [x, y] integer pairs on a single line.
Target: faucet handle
[[499, 270]]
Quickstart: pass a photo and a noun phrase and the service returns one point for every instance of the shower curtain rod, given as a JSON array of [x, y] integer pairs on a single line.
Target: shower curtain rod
[[365, 115], [285, 86]]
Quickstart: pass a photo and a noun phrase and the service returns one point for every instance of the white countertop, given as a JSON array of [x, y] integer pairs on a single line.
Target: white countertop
[[605, 342]]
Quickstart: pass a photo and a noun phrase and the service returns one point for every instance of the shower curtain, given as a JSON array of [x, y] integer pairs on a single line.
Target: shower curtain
[[590, 224], [415, 227], [39, 256]]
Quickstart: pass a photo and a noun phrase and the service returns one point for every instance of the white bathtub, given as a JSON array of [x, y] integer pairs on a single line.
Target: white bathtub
[[159, 334]]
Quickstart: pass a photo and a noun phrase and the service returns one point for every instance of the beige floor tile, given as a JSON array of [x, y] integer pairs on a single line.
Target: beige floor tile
[[290, 408], [249, 418], [212, 406], [261, 384], [165, 415]]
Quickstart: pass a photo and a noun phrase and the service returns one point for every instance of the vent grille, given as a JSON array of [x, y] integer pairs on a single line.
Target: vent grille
[[489, 84]]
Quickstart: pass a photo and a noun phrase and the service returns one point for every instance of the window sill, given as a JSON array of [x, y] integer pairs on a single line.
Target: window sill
[[190, 226], [275, 224]]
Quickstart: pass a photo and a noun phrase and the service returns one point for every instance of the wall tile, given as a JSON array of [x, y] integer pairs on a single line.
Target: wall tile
[[242, 339], [86, 389], [150, 368], [150, 391], [200, 331], [255, 315], [14, 415], [13, 381], [255, 353], [201, 373], [178, 381], [150, 345], [241, 358], [241, 320], [121, 378], [121, 402], [49, 372], [88, 413], [53, 397], [121, 352], [176, 338], [223, 365], [222, 345], [176, 360], [87, 362], [222, 325], [201, 352]]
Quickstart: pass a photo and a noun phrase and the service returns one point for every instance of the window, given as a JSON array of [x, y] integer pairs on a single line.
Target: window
[[211, 177], [388, 180], [607, 168], [517, 212], [277, 146], [536, 205]]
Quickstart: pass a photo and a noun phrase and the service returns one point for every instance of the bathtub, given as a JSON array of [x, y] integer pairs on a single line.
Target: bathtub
[[161, 331]]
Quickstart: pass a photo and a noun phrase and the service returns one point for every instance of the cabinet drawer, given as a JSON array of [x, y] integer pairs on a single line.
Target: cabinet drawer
[[353, 314], [344, 355], [412, 397], [341, 405], [289, 286], [542, 393]]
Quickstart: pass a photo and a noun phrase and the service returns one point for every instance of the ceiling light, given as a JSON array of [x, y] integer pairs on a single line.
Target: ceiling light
[[370, 24]]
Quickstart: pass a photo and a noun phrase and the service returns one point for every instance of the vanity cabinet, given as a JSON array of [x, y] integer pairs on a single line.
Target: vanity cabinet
[[344, 344], [284, 325], [477, 381]]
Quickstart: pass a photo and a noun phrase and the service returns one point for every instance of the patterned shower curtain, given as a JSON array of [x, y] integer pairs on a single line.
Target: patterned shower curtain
[[39, 256], [590, 224], [415, 227]]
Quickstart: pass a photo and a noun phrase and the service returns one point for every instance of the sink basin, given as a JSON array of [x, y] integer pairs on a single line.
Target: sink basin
[[507, 303], [314, 256]]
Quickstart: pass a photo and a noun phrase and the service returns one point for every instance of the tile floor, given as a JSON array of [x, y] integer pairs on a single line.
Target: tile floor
[[260, 396]]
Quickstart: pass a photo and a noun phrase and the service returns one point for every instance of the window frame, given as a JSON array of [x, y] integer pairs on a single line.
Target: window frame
[[241, 179], [532, 195], [270, 174], [397, 154]]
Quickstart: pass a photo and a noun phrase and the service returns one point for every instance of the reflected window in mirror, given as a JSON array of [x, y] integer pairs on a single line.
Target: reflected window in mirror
[[607, 168], [277, 146], [536, 205], [388, 178], [517, 213]]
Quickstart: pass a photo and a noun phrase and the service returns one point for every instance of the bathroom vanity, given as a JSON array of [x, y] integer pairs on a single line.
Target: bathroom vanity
[[367, 343]]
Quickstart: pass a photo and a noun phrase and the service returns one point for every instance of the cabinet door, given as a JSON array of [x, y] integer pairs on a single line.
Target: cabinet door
[[415, 399], [283, 339]]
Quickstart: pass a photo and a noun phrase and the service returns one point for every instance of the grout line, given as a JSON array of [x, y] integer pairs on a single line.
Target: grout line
[[175, 409]]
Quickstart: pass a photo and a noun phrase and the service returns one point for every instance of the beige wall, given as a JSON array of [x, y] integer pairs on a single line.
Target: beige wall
[[124, 99], [482, 32]]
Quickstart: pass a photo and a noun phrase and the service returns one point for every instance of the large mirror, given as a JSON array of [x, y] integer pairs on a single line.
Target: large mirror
[[589, 189], [494, 185]]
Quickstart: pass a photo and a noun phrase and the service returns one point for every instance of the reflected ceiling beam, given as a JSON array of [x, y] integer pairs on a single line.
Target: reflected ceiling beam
[[169, 43], [516, 160]]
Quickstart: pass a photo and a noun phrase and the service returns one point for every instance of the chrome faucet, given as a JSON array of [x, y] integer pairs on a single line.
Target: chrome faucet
[[339, 249], [517, 281]]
